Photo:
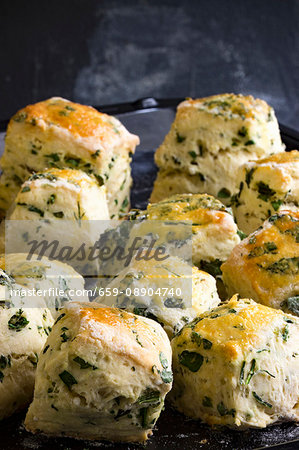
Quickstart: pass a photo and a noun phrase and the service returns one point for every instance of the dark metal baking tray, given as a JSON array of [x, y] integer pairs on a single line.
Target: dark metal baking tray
[[150, 119]]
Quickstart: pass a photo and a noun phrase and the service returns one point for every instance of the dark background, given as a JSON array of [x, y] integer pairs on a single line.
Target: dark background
[[100, 52]]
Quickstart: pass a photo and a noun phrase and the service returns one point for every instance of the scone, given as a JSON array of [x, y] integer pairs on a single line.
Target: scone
[[103, 374], [171, 292], [214, 232], [58, 282], [23, 333], [62, 194], [208, 141], [265, 265], [238, 365], [267, 186], [61, 134]]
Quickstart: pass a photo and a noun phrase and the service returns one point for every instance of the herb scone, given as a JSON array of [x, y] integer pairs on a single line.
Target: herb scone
[[266, 186], [208, 141], [238, 365], [265, 265], [214, 232], [62, 134], [58, 282], [103, 374], [169, 291], [61, 194], [23, 333]]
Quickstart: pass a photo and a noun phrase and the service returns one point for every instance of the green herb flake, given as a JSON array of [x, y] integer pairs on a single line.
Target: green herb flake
[[224, 193], [45, 349], [260, 400], [179, 138], [96, 154], [193, 154], [149, 396], [58, 214], [51, 199], [250, 142], [241, 235], [67, 379], [265, 192], [276, 204], [18, 321], [223, 411], [207, 402], [83, 364], [25, 189], [251, 372], [249, 175], [192, 360]]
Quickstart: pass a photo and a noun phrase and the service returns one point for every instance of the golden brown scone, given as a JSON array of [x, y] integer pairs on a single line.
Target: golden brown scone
[[103, 374], [265, 265], [62, 134], [267, 186], [63, 194], [208, 141], [238, 365]]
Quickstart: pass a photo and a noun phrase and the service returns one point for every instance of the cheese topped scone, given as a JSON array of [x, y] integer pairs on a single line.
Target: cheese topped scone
[[265, 265], [23, 333], [103, 374], [238, 365], [62, 134], [58, 282], [214, 232], [170, 292], [61, 194], [267, 186], [208, 141]]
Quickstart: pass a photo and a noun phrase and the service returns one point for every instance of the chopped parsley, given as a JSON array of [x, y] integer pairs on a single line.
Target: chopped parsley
[[67, 379], [18, 321], [260, 400], [192, 360], [83, 364]]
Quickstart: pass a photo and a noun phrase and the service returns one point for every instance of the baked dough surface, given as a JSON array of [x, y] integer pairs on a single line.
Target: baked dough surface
[[265, 265], [266, 187], [103, 374], [237, 365], [209, 140]]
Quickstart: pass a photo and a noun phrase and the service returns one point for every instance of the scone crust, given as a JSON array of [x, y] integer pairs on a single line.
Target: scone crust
[[264, 266]]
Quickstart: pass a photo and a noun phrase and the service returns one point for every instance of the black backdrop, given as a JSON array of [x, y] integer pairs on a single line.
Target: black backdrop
[[107, 51]]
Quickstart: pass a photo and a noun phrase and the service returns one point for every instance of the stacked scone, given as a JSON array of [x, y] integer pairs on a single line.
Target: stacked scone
[[57, 133], [209, 140], [62, 194]]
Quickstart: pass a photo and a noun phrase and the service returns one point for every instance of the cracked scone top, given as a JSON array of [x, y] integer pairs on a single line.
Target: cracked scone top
[[59, 133], [266, 186], [103, 374], [238, 365], [209, 139]]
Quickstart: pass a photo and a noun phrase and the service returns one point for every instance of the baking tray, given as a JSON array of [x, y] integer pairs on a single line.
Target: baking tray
[[150, 119]]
